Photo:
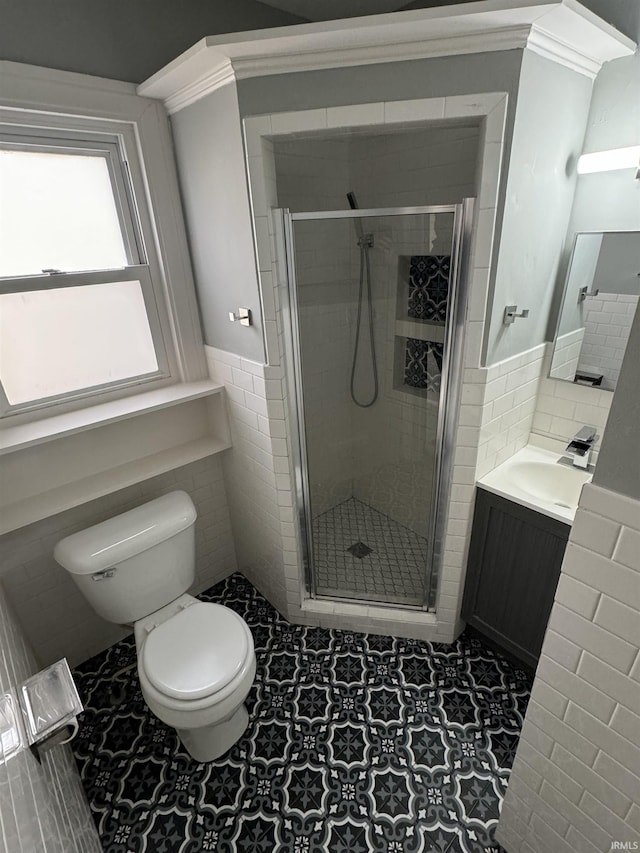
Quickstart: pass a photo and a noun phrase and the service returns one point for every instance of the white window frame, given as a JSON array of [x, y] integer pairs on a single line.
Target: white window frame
[[110, 119], [137, 269]]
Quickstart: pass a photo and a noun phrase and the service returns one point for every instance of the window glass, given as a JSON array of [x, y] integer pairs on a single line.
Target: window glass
[[63, 340], [57, 211]]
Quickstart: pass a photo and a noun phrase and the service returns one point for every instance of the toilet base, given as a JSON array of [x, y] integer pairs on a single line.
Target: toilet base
[[210, 742]]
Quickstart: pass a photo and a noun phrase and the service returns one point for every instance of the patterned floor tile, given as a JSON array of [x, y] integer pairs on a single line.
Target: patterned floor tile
[[356, 743]]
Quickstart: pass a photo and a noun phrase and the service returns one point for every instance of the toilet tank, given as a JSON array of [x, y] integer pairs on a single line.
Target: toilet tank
[[133, 564]]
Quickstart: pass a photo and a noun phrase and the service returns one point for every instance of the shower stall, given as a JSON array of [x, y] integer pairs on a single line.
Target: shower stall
[[374, 314]]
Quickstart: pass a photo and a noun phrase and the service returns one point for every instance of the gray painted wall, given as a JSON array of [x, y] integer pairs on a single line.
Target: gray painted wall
[[553, 106], [550, 124], [425, 78], [619, 264], [606, 201], [610, 201], [209, 154], [121, 39], [213, 183]]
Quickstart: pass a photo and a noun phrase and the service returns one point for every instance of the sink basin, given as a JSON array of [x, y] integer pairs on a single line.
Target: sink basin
[[533, 478], [550, 482]]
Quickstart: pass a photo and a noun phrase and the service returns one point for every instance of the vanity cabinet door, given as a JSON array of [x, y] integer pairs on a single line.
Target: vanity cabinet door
[[514, 564]]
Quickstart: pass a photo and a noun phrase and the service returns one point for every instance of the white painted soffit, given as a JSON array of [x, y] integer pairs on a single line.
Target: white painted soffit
[[562, 30]]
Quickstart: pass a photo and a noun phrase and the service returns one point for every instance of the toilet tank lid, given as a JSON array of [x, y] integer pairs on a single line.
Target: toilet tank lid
[[123, 536]]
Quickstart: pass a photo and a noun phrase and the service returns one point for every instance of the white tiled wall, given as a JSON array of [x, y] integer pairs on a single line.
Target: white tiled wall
[[434, 165], [258, 476], [576, 777], [42, 805], [566, 352], [326, 304], [57, 619], [507, 408], [607, 323], [562, 408], [313, 172]]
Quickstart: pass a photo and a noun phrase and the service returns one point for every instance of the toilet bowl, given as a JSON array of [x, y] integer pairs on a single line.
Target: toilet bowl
[[196, 660], [196, 665]]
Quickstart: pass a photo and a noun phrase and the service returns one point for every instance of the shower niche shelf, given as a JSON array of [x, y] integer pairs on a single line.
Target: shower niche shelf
[[417, 366], [419, 323], [422, 331], [422, 293]]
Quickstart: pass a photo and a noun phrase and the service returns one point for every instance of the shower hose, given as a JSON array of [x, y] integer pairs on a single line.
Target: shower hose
[[365, 273]]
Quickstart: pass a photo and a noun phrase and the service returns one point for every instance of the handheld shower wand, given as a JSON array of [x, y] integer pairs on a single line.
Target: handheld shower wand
[[353, 204], [365, 242]]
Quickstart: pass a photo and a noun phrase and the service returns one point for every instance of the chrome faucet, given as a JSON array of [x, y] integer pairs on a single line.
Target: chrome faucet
[[581, 445]]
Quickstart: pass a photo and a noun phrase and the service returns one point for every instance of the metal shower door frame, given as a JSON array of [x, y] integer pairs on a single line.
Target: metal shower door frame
[[451, 379]]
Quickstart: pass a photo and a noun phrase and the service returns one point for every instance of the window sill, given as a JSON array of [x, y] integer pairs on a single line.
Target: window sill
[[14, 438]]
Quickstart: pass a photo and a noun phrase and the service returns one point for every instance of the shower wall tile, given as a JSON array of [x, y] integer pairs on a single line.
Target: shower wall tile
[[416, 110], [42, 805], [393, 473], [57, 619], [355, 114], [288, 122], [418, 168], [314, 174]]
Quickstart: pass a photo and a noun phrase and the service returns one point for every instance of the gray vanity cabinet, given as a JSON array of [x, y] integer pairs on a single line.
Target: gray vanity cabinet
[[512, 573]]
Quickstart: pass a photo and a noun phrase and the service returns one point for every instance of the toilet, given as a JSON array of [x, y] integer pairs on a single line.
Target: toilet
[[196, 661]]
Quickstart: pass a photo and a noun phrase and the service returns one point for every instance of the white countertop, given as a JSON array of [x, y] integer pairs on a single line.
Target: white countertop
[[533, 478]]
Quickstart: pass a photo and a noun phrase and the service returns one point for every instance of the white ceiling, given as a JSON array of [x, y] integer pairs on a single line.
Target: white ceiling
[[329, 10]]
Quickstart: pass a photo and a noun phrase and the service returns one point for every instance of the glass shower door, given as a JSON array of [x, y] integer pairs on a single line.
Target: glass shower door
[[370, 296]]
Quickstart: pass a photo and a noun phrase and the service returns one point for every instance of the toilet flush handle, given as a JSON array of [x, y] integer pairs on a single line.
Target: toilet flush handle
[[104, 575]]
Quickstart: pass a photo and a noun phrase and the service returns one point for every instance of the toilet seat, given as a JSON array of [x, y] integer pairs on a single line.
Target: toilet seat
[[195, 653]]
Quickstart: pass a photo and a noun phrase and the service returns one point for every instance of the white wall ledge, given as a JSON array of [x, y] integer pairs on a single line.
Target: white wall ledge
[[71, 459], [20, 437]]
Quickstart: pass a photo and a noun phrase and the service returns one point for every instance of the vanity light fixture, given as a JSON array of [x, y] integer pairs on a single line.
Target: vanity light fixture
[[607, 161]]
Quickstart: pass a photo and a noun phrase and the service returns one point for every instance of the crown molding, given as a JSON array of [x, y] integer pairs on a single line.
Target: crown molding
[[560, 30], [577, 38], [218, 76], [547, 45], [416, 48]]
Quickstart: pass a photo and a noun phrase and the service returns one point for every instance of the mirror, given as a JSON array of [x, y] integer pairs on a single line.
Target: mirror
[[600, 299]]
